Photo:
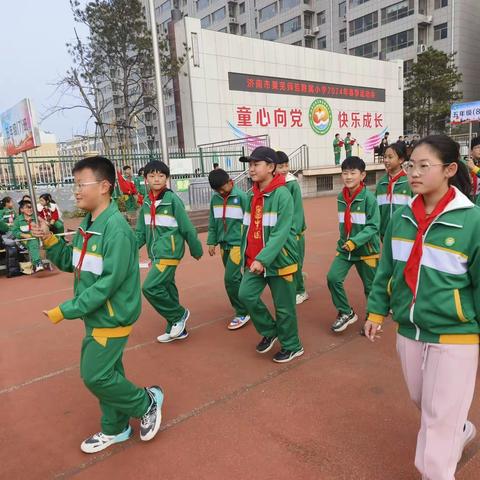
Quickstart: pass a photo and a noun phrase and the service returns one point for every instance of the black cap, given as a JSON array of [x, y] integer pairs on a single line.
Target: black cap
[[266, 154], [282, 157]]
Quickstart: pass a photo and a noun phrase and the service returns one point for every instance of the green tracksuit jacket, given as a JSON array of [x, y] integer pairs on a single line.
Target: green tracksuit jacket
[[279, 255], [230, 234], [388, 206], [173, 227], [446, 309], [107, 289], [365, 225]]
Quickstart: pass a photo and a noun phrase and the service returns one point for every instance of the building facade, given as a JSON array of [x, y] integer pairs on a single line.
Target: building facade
[[377, 29]]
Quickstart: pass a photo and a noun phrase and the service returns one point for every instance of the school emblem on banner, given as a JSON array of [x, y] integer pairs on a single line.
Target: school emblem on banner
[[320, 116]]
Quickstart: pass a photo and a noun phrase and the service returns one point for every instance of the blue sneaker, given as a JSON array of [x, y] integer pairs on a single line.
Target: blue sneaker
[[152, 419], [238, 322], [100, 441], [179, 327]]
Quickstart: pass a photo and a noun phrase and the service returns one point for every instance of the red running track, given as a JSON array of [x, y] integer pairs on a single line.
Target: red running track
[[339, 412]]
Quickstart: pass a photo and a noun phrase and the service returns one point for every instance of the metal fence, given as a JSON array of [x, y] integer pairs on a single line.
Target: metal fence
[[200, 192], [55, 170]]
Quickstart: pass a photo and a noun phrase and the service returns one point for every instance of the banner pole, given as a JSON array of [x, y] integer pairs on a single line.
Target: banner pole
[[31, 189]]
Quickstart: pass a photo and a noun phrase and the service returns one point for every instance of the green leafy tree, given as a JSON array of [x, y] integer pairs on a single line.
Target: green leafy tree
[[430, 89]]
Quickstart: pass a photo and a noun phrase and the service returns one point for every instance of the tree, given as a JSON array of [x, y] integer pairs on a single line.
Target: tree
[[112, 67], [431, 88]]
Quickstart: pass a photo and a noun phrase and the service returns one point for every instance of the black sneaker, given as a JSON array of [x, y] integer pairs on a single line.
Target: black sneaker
[[266, 344], [284, 356], [151, 420], [343, 321]]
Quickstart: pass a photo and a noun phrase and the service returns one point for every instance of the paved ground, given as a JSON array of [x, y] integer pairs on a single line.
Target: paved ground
[[339, 412]]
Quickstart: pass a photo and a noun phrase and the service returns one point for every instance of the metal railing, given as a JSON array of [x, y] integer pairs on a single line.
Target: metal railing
[[200, 192], [299, 159], [55, 170]]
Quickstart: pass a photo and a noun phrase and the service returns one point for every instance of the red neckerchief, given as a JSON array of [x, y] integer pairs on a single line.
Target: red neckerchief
[[86, 237], [153, 209], [391, 183], [474, 183], [255, 232], [347, 222], [224, 213], [423, 221]]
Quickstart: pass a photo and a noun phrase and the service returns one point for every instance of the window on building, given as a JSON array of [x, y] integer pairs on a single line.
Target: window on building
[[201, 4], [342, 35], [218, 15], [270, 34], [243, 29], [368, 50], [356, 3], [407, 67], [205, 21], [291, 26], [322, 17], [322, 43], [362, 24], [440, 31], [241, 8], [267, 12], [440, 4], [165, 7], [342, 9], [309, 43], [398, 10], [288, 4], [397, 41]]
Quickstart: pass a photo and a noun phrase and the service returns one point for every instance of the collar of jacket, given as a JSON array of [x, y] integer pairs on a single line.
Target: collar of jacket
[[358, 198], [384, 180], [290, 177], [100, 221], [233, 193], [460, 202], [158, 202]]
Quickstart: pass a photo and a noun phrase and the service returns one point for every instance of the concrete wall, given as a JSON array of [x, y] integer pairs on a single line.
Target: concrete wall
[[208, 104]]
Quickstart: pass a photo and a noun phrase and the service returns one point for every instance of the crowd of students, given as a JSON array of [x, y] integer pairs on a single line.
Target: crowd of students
[[16, 227], [413, 243]]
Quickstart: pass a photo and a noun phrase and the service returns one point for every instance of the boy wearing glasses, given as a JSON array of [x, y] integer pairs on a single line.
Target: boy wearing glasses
[[22, 230], [359, 243], [104, 259]]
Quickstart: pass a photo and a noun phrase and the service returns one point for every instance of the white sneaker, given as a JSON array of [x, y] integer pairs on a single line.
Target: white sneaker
[[167, 338], [301, 297], [39, 268], [99, 441], [179, 327], [469, 433], [238, 322]]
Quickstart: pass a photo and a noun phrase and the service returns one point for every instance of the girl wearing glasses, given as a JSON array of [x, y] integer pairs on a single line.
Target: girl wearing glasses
[[431, 263]]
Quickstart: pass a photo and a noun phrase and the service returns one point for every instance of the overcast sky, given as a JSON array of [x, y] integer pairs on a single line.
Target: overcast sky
[[33, 56]]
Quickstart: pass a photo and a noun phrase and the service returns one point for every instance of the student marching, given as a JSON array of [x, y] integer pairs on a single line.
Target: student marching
[[393, 190], [227, 208], [104, 260], [358, 245], [270, 257], [164, 227], [429, 277]]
